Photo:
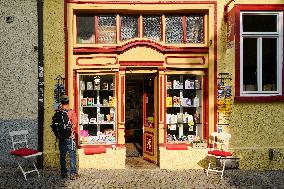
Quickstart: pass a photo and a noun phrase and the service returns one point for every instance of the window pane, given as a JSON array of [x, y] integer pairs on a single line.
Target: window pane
[[174, 30], [129, 27], [107, 29], [85, 28], [152, 27], [194, 29], [269, 64], [250, 64], [259, 23]]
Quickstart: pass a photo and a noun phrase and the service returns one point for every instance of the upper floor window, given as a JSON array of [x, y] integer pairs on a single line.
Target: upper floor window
[[185, 29], [102, 29], [93, 29], [152, 27], [260, 53], [129, 27]]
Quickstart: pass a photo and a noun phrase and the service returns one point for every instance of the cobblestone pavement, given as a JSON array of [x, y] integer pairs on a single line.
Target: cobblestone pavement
[[149, 177]]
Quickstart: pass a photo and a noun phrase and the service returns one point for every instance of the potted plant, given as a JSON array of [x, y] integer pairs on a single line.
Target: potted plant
[[199, 143]]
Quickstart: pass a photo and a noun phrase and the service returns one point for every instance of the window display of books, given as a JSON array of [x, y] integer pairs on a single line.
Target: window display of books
[[97, 109], [184, 107]]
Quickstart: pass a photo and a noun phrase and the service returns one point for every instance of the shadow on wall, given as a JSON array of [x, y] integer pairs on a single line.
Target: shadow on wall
[[6, 145]]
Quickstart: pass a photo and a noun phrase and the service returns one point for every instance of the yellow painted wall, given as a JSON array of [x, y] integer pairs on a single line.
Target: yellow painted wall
[[54, 57], [255, 127]]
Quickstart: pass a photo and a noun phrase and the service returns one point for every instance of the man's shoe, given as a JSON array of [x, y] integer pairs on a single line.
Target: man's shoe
[[74, 177], [63, 176]]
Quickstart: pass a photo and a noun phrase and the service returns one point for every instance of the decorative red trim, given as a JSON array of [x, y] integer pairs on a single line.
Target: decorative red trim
[[237, 54], [165, 109], [259, 99], [161, 95], [202, 57], [116, 101], [122, 98], [139, 33], [119, 25], [162, 25], [83, 57], [180, 146], [140, 2], [144, 105], [66, 46], [206, 105], [96, 25], [152, 136], [141, 43], [184, 28], [141, 63], [260, 7], [215, 69], [162, 145], [252, 7], [76, 108]]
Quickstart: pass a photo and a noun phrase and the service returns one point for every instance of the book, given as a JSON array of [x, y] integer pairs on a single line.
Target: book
[[169, 85], [169, 102], [84, 102], [189, 84], [111, 101], [176, 101], [90, 101], [105, 86]]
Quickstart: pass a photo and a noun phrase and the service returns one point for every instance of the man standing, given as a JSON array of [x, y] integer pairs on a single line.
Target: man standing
[[67, 121]]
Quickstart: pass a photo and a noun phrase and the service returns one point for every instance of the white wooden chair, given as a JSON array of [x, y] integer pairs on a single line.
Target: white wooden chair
[[22, 152], [220, 151]]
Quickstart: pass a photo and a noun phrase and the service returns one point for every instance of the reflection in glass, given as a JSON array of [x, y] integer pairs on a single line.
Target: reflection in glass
[[250, 64], [174, 29], [269, 64], [129, 27], [107, 29], [152, 27], [194, 29], [85, 29]]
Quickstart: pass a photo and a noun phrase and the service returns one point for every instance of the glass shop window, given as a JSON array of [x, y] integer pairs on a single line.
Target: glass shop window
[[261, 55], [96, 29], [185, 29], [184, 102], [152, 27], [97, 110], [86, 29], [107, 29], [129, 27]]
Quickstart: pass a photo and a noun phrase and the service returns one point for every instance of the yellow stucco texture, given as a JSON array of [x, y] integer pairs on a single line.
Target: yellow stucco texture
[[54, 57], [255, 127], [182, 159], [112, 159]]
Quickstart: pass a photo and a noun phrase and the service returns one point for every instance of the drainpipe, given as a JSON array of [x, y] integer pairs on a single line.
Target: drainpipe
[[226, 10], [40, 81]]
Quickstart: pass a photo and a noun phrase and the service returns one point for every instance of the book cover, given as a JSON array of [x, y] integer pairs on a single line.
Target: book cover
[[169, 102], [83, 102], [176, 101], [169, 85], [111, 101], [90, 101]]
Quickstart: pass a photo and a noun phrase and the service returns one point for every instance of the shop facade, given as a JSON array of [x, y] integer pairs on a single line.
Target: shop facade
[[162, 74]]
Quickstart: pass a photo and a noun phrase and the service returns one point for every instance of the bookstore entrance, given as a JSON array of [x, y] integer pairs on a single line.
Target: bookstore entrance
[[140, 119]]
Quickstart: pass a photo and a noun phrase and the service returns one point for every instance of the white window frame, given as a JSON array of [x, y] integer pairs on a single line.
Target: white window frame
[[259, 35]]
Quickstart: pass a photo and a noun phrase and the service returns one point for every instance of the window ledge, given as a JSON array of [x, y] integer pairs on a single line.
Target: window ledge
[[259, 99]]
